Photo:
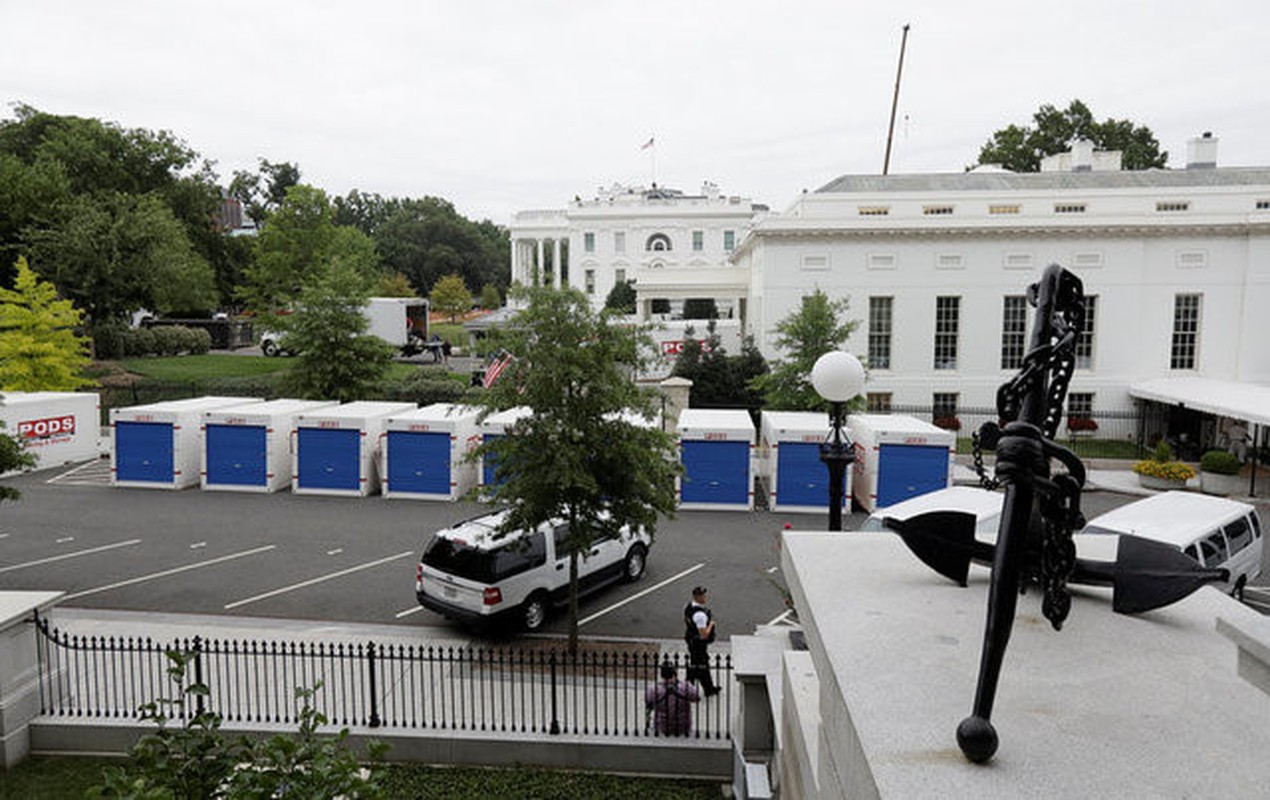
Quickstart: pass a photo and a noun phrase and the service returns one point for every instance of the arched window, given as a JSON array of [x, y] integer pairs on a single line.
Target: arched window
[[658, 242]]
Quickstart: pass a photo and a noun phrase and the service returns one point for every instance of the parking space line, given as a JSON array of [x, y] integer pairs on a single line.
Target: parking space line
[[313, 581], [408, 612], [635, 597], [175, 571], [75, 554]]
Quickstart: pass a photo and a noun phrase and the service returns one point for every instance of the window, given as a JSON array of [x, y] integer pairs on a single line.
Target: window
[[619, 241], [658, 242], [949, 261], [878, 402], [1085, 337], [1192, 259], [880, 261], [1004, 209], [1080, 405], [729, 241], [1263, 205], [1087, 260], [1069, 208], [880, 332], [1214, 549], [873, 211], [815, 263], [1173, 206], [619, 276], [1018, 261], [590, 281], [1239, 534], [947, 320], [944, 405], [1013, 331], [936, 210], [698, 241], [588, 242], [1182, 354]]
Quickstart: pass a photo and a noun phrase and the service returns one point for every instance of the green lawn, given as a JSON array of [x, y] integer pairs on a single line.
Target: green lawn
[[196, 368], [56, 777], [1085, 448]]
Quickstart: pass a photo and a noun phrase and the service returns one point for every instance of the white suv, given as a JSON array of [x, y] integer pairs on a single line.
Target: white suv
[[475, 575]]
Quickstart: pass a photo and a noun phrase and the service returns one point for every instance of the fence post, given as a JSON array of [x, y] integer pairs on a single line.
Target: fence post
[[555, 717], [198, 673], [374, 700]]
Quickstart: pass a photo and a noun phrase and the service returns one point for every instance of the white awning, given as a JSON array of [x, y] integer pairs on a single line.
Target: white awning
[[1246, 401]]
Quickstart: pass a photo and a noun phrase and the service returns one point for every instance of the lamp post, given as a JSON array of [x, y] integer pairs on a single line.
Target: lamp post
[[837, 377]]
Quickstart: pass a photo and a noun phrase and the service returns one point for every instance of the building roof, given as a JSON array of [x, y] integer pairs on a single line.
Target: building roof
[[1246, 401], [994, 181]]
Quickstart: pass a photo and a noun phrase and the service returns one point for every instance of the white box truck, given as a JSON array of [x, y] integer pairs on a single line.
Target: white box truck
[[400, 321], [57, 427]]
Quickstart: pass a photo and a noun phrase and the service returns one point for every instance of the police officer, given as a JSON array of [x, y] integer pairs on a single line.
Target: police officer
[[698, 634]]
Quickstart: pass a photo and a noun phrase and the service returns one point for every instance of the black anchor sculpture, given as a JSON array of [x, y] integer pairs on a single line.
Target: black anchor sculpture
[[1040, 511]]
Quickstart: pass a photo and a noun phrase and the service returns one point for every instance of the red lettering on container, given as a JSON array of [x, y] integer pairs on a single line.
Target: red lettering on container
[[47, 427]]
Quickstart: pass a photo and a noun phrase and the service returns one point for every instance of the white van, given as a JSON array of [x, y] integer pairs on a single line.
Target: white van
[[1214, 531], [985, 505]]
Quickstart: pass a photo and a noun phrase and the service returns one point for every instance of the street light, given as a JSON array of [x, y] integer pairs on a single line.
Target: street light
[[837, 377]]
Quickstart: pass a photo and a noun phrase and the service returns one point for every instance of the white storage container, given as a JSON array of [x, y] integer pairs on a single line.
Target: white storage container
[[336, 449], [716, 449], [898, 457], [57, 427], [157, 445], [426, 452], [789, 461], [248, 448], [492, 427]]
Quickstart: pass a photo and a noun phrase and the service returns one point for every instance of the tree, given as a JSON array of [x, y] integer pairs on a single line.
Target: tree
[[490, 298], [450, 295], [39, 350], [337, 359], [263, 191], [718, 379], [299, 240], [13, 455], [394, 285], [621, 297], [575, 458], [113, 253], [806, 334], [1021, 148]]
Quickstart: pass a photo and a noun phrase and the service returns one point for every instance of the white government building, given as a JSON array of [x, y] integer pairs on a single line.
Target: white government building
[[1175, 264]]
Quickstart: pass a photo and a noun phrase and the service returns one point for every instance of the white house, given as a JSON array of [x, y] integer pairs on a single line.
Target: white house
[[1175, 263], [674, 246]]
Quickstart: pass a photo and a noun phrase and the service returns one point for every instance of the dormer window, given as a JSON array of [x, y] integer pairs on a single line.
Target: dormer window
[[657, 243]]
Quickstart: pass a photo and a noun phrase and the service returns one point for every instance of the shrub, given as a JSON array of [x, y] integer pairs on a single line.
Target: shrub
[[1219, 462], [1077, 424], [1161, 465], [108, 340], [424, 389], [167, 340], [185, 336], [139, 342], [200, 341], [948, 423]]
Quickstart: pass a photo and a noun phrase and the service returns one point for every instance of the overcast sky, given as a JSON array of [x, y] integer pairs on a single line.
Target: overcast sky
[[506, 105]]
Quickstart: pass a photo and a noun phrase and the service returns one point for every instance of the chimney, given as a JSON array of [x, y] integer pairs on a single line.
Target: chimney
[[1201, 152], [1082, 155]]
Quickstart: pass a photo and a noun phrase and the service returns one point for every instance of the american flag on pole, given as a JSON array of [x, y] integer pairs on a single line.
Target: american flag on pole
[[495, 369], [647, 144]]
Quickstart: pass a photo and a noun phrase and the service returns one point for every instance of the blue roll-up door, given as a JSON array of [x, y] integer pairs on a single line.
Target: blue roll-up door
[[143, 452], [419, 462], [908, 470], [329, 459], [235, 455], [715, 472], [489, 462], [802, 479]]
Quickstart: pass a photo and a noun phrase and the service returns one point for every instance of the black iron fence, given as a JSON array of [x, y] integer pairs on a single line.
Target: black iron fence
[[525, 688]]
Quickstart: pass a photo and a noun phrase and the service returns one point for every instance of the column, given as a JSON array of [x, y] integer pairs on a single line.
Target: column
[[542, 265], [557, 268]]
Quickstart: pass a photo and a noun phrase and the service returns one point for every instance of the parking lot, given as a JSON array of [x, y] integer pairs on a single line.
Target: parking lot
[[349, 559]]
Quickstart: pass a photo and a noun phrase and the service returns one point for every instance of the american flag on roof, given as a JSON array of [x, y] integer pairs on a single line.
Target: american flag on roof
[[496, 368]]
